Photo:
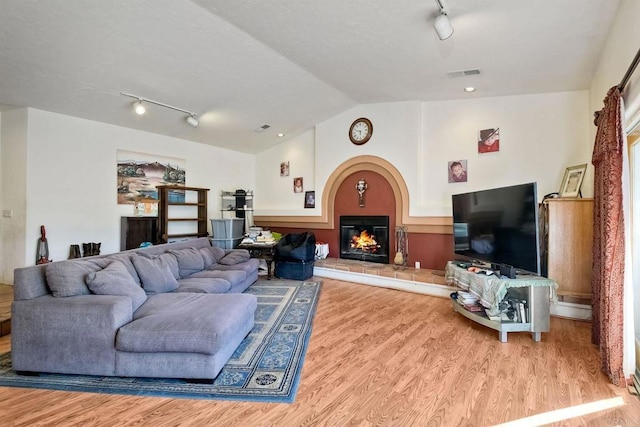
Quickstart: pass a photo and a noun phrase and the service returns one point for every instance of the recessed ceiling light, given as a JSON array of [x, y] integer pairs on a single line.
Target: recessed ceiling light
[[280, 135], [469, 89]]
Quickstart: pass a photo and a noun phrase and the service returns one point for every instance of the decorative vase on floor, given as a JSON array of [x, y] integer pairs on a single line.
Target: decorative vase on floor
[[399, 259]]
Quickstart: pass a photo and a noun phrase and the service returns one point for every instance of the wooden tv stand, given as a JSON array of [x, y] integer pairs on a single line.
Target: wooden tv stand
[[536, 290]]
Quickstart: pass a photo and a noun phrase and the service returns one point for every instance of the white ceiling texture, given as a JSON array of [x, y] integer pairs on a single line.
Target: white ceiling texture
[[287, 63]]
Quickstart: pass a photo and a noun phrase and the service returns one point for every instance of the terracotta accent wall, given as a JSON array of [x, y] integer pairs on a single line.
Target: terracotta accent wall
[[431, 250]]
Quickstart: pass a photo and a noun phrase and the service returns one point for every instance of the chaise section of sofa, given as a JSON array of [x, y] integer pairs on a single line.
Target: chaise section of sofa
[[173, 310]]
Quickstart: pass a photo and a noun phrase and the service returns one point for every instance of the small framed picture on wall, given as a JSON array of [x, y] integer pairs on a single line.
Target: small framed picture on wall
[[457, 171], [309, 199], [489, 140], [297, 184], [284, 169]]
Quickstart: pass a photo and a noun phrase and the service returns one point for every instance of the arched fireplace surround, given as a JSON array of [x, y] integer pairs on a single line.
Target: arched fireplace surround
[[430, 240]]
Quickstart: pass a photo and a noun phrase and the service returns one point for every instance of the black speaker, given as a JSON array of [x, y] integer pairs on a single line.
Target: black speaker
[[508, 271]]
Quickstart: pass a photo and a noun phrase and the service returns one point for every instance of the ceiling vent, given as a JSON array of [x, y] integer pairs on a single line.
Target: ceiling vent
[[262, 128], [463, 73]]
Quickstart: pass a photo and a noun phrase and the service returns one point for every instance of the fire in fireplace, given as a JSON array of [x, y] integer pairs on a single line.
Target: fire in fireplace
[[365, 242], [365, 238]]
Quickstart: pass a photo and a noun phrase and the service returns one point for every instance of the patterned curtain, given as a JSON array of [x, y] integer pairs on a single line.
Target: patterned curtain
[[608, 239]]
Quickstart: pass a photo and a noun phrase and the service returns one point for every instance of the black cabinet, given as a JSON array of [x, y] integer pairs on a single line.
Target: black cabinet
[[137, 229]]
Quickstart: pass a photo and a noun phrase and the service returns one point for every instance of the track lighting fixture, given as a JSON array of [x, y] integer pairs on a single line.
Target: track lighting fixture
[[442, 25], [193, 121], [139, 107]]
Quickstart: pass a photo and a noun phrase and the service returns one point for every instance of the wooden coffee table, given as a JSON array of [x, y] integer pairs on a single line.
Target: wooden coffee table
[[264, 251]]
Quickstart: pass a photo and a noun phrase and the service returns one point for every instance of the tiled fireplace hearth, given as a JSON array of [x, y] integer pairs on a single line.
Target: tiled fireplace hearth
[[423, 281]]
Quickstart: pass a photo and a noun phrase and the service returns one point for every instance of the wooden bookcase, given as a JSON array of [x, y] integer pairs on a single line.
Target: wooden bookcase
[[191, 212], [567, 246]]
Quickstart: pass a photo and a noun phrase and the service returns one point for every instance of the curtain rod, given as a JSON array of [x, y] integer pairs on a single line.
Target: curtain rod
[[629, 72], [623, 82]]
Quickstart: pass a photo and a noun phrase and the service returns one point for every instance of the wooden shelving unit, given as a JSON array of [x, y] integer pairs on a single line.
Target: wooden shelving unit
[[166, 216]]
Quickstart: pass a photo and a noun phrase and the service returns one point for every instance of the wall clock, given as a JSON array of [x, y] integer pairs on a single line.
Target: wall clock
[[360, 131]]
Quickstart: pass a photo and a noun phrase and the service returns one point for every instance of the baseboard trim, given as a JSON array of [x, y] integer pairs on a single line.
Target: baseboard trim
[[571, 310]]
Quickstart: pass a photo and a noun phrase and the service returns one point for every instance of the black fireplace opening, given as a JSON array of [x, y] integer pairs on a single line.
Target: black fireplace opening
[[365, 238]]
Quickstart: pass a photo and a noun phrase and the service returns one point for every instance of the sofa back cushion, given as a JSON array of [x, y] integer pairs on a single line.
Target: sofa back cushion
[[211, 255], [67, 278], [165, 258], [115, 279], [189, 261], [126, 260], [156, 273], [235, 256]]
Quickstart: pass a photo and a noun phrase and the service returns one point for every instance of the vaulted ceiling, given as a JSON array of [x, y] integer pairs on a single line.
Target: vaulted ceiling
[[289, 64]]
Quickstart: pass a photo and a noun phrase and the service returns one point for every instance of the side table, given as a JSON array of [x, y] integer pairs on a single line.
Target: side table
[[264, 251]]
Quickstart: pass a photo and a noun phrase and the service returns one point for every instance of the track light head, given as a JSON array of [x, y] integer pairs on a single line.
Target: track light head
[[443, 26], [140, 110], [193, 121]]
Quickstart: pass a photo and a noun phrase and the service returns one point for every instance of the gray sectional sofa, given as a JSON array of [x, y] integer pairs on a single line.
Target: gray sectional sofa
[[171, 311]]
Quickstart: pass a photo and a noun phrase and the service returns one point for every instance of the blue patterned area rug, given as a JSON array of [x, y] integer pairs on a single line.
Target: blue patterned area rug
[[265, 367]]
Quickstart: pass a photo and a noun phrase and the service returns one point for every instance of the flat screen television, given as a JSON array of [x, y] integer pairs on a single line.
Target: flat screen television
[[498, 226]]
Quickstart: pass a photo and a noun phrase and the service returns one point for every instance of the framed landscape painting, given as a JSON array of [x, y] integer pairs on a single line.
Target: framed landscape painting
[[139, 173]]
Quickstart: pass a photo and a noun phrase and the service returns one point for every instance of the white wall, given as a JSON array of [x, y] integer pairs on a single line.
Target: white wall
[[619, 50], [540, 136], [71, 178], [274, 193], [13, 149], [395, 138]]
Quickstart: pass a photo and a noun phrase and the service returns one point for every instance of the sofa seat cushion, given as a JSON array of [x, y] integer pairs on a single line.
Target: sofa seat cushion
[[235, 277], [207, 285], [248, 266], [186, 323]]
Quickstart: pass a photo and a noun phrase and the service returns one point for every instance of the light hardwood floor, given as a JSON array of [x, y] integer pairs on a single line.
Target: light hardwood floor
[[379, 357]]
